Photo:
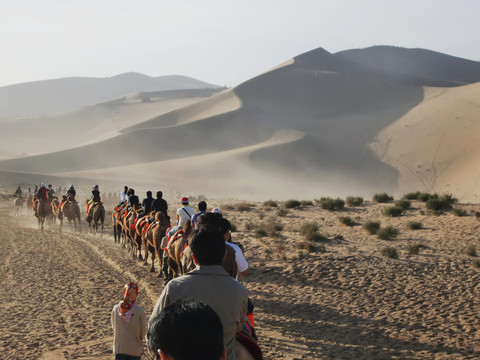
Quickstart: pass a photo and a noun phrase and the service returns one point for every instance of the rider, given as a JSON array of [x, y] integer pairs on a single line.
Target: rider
[[18, 192], [69, 196], [93, 200], [133, 199], [42, 193]]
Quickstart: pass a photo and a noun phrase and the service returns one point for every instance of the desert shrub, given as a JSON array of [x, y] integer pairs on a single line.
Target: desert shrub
[[270, 203], [250, 226], [354, 200], [306, 245], [414, 225], [382, 198], [476, 263], [242, 207], [477, 214], [448, 198], [273, 228], [310, 231], [261, 215], [390, 252], [423, 196], [472, 251], [414, 249], [412, 196], [282, 212], [372, 227], [306, 203], [260, 232], [403, 203], [437, 204], [387, 232], [393, 211], [328, 203], [292, 204], [346, 220], [459, 212]]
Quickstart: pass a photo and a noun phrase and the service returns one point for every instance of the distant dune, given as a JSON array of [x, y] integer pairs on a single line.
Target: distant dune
[[48, 97], [319, 124]]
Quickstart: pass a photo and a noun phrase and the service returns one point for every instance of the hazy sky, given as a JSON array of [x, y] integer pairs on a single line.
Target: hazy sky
[[219, 41]]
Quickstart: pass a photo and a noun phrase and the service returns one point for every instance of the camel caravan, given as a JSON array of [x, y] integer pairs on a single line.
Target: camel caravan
[[146, 226]]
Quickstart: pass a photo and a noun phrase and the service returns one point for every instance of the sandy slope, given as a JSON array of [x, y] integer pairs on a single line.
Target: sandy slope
[[347, 302], [342, 104], [436, 145]]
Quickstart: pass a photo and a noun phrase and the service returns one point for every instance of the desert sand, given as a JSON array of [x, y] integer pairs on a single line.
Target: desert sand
[[334, 298]]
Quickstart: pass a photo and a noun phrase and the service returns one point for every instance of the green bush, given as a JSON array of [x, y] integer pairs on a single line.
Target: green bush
[[306, 203], [393, 211], [387, 233], [437, 204], [310, 231], [328, 203], [346, 220], [414, 225], [354, 200], [270, 203], [382, 198], [459, 212], [242, 207], [390, 252], [426, 196], [260, 232], [292, 204], [412, 196], [404, 204], [372, 227], [273, 228]]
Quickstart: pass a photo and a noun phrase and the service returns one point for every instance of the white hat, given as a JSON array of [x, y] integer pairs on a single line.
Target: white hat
[[216, 210]]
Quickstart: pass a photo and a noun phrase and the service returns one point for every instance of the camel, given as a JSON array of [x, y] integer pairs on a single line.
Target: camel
[[96, 216], [18, 203], [119, 229], [71, 211], [175, 249], [152, 238], [133, 240], [42, 211], [55, 204]]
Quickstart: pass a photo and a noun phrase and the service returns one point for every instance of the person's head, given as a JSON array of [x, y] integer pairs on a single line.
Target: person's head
[[184, 200], [131, 192], [208, 219], [95, 187], [125, 189], [72, 187], [43, 185], [208, 246], [130, 293], [187, 329], [49, 186], [225, 228], [217, 212], [149, 194], [202, 206], [159, 194]]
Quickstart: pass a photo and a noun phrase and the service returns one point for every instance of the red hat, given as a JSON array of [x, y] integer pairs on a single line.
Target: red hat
[[184, 199]]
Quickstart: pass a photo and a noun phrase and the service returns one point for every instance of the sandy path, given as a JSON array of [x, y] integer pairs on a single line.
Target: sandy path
[[347, 303]]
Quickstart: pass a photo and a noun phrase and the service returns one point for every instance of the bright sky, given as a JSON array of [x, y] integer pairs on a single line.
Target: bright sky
[[224, 42]]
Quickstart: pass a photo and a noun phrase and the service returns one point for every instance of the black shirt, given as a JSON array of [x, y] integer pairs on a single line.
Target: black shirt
[[160, 205], [147, 204]]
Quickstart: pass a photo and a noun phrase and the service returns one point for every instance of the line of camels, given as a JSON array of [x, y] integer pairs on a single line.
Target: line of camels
[[132, 231]]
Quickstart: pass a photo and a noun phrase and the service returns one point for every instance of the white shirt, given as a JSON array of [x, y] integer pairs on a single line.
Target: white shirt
[[242, 263], [185, 213]]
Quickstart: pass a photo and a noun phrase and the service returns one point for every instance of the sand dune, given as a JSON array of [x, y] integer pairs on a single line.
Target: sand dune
[[49, 97], [343, 106]]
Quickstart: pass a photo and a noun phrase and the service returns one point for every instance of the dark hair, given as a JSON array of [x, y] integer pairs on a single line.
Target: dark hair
[[224, 225], [159, 194], [208, 246], [187, 329], [149, 193], [202, 206], [131, 192], [208, 219]]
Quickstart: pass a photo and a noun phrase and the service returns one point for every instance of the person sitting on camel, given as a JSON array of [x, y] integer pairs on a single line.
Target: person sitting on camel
[[93, 201], [69, 196], [42, 193]]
